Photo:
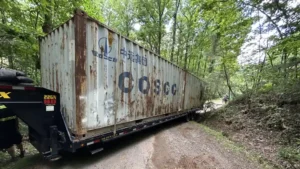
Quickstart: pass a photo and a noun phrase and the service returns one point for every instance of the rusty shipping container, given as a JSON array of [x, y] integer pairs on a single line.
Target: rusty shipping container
[[107, 81]]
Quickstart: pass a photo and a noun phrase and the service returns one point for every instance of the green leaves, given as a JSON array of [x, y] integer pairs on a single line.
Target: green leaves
[[206, 37]]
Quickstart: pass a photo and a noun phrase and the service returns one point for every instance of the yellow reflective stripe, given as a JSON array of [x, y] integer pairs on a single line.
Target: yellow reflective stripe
[[8, 118], [2, 107]]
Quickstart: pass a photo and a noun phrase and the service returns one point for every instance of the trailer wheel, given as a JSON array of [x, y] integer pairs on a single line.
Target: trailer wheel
[[193, 116], [190, 117], [187, 117]]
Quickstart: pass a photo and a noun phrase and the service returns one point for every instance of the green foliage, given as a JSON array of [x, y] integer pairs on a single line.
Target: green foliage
[[291, 154], [21, 25], [207, 40], [266, 87]]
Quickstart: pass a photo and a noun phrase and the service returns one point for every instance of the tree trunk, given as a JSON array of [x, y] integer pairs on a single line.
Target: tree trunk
[[285, 63], [178, 47], [10, 58], [271, 61], [228, 80], [128, 29], [3, 18], [159, 27], [177, 54], [47, 25], [174, 28], [205, 64], [199, 59], [296, 71], [186, 54], [259, 73]]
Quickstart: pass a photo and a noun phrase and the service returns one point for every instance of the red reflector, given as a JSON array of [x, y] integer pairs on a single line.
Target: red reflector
[[29, 88], [5, 87], [97, 141]]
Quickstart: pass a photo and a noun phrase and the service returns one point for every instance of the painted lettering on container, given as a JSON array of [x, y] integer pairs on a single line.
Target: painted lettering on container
[[143, 84], [104, 56], [134, 57], [105, 47], [122, 77]]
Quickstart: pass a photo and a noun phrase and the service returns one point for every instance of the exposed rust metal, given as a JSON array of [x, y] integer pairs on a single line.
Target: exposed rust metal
[[150, 96], [80, 70]]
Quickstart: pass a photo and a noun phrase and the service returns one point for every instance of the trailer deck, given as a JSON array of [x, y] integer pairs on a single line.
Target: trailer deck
[[40, 109]]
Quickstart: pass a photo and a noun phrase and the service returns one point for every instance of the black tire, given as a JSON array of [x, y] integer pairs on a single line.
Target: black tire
[[187, 117], [193, 117], [190, 117]]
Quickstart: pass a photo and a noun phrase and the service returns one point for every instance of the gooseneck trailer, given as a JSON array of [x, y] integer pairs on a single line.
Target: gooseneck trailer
[[98, 85]]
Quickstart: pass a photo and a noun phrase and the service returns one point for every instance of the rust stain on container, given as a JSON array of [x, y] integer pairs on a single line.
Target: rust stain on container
[[110, 38], [149, 98], [80, 71], [130, 103]]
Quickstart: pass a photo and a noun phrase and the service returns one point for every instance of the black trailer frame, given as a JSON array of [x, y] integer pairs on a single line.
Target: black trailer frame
[[39, 108]]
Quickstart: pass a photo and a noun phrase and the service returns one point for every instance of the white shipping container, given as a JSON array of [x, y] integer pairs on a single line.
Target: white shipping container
[[107, 81]]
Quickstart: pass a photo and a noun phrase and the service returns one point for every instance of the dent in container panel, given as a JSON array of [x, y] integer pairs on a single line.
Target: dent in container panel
[[107, 82], [141, 68], [92, 77], [124, 80], [147, 85], [132, 95], [155, 84], [128, 58], [151, 75], [165, 71], [121, 84], [170, 82], [161, 81], [143, 85], [111, 69]]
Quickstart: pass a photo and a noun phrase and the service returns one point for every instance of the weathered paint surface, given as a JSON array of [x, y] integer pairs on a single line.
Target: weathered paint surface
[[105, 79], [57, 52]]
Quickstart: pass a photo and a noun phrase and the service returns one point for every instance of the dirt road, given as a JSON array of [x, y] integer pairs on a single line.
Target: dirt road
[[174, 145]]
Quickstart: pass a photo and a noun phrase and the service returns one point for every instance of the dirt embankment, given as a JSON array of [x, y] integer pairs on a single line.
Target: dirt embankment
[[268, 123]]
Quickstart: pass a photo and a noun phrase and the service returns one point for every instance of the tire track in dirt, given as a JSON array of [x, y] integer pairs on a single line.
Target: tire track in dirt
[[188, 146]]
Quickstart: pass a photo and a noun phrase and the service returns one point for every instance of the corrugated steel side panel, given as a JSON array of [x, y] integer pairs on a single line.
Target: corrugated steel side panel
[[57, 52], [193, 92], [106, 79], [126, 82]]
